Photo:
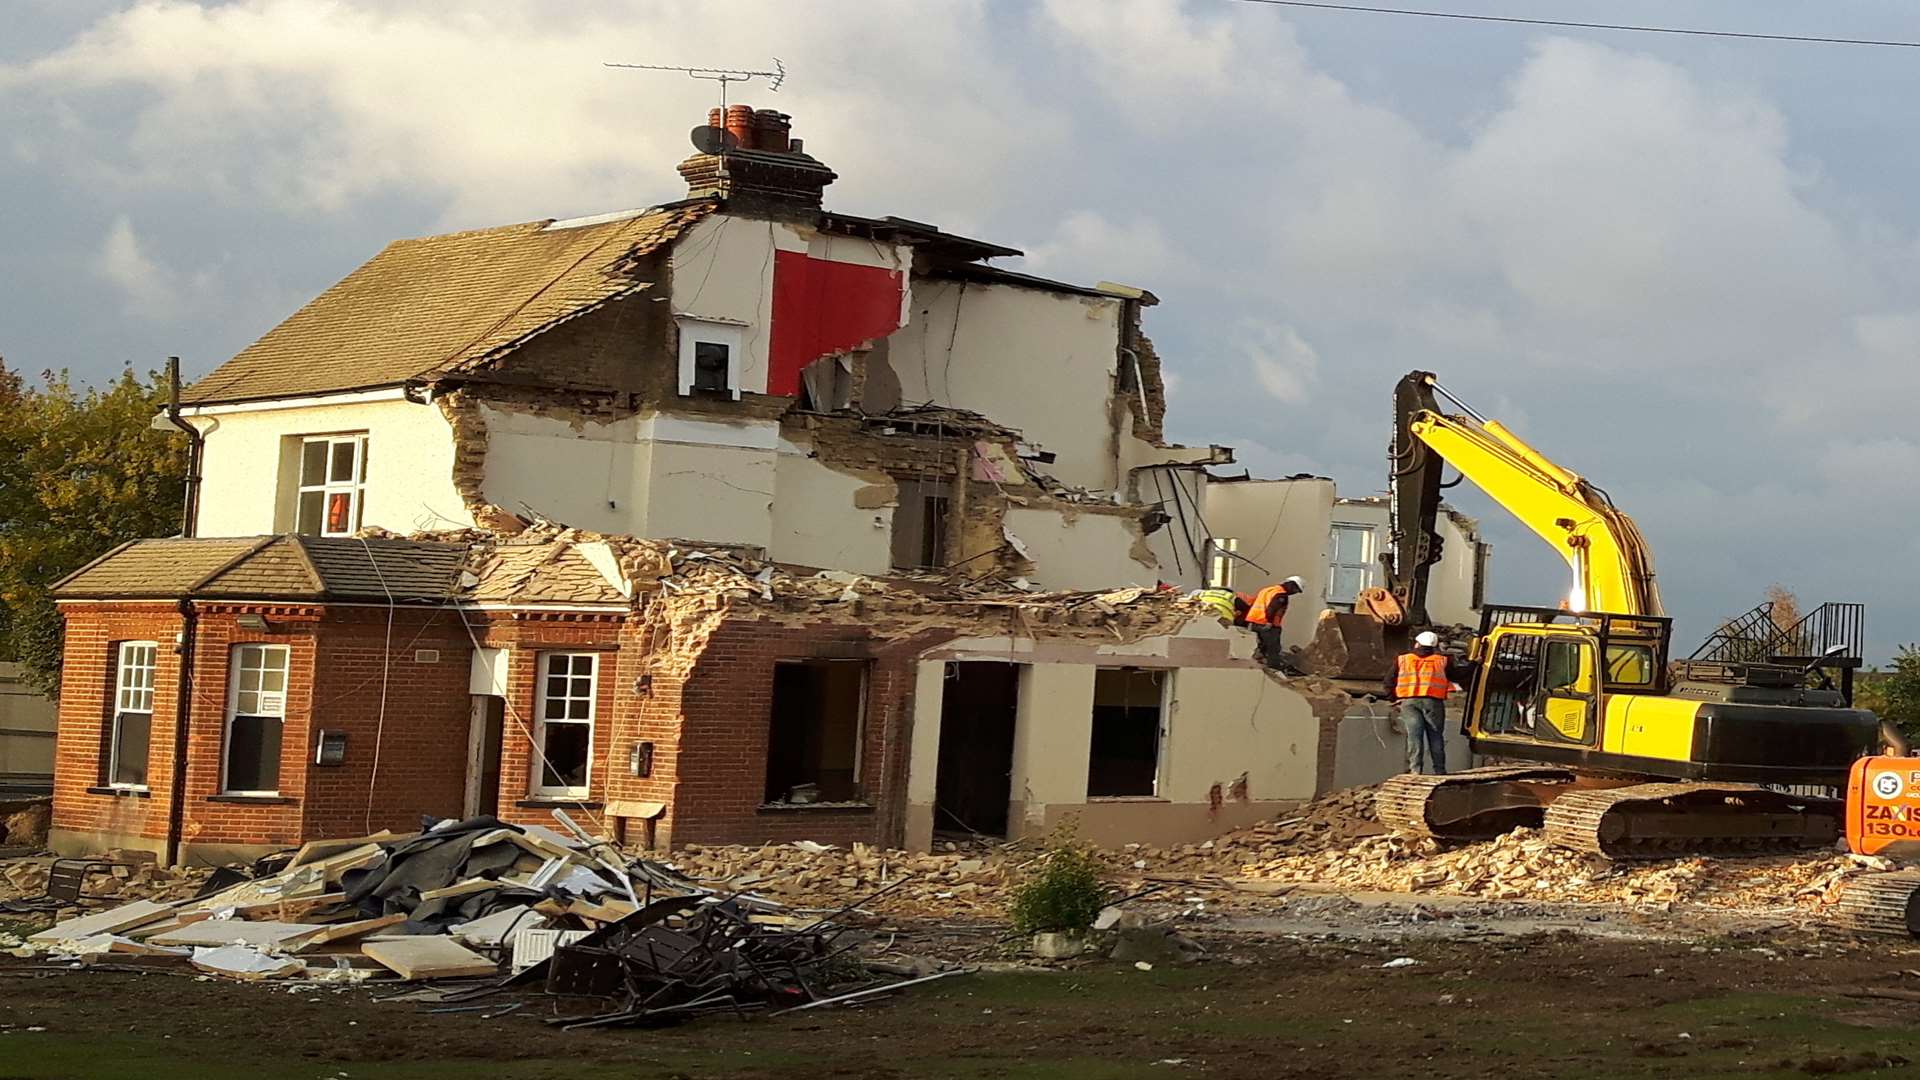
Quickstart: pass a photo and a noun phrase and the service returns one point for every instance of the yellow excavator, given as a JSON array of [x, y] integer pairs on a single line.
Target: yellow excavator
[[1600, 738]]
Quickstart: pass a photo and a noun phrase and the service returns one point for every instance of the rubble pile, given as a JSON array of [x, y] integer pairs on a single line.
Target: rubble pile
[[958, 885], [1523, 865], [478, 899], [131, 875]]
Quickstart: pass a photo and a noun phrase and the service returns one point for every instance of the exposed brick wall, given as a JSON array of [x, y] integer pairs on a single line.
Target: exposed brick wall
[[527, 639]]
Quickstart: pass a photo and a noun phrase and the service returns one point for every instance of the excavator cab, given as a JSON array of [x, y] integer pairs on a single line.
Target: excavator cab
[[1543, 676]]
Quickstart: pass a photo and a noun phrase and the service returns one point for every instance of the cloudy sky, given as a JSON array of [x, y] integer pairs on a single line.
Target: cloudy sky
[[1684, 267]]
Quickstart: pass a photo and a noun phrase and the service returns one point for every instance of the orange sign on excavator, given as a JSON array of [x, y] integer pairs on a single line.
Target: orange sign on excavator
[[1883, 806]]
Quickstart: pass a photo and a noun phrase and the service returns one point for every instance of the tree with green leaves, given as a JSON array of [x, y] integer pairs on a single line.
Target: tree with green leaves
[[84, 471], [1894, 694]]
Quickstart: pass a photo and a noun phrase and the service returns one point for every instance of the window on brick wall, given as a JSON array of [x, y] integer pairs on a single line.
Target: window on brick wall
[[564, 733], [1128, 705], [256, 713], [333, 482], [813, 742], [132, 714]]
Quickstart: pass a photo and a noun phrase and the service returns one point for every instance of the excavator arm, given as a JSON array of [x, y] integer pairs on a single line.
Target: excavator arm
[[1611, 562]]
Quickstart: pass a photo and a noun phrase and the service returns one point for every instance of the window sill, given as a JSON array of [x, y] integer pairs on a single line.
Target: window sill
[[257, 799], [816, 807], [1127, 798], [542, 802], [120, 792]]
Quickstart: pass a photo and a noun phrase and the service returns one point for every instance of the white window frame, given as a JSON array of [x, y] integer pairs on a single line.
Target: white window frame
[[1368, 565], [236, 668], [541, 720], [1221, 551], [131, 696], [355, 489], [693, 332]]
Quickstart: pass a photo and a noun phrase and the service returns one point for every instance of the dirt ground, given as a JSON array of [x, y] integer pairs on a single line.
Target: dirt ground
[[1303, 990]]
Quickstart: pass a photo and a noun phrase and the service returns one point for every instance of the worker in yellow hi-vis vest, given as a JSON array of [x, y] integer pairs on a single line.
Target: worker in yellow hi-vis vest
[[1418, 685]]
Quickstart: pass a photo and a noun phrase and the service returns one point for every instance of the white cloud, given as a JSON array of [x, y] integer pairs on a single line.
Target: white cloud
[[1284, 363], [146, 287]]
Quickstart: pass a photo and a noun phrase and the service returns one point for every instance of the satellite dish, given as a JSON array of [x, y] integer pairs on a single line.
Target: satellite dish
[[713, 140]]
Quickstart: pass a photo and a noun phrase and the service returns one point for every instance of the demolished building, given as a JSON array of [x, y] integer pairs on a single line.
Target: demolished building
[[917, 553]]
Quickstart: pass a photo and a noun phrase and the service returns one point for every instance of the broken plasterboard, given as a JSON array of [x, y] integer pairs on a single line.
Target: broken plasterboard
[[124, 917], [241, 962], [422, 957], [345, 931]]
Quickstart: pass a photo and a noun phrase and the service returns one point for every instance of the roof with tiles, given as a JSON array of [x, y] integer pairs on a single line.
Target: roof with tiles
[[548, 572], [440, 304], [271, 568]]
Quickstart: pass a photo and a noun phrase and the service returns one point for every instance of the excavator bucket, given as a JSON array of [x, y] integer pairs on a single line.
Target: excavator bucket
[[1349, 645]]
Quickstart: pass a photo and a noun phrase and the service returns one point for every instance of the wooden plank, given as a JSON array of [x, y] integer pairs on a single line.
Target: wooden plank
[[462, 888], [611, 911], [424, 957], [317, 850], [291, 909], [328, 935], [124, 917], [228, 931]]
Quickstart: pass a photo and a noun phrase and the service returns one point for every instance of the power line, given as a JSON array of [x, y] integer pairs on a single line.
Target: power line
[[1628, 27]]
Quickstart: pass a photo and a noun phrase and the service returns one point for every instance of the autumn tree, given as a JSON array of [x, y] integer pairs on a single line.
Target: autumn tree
[[84, 471], [1785, 611]]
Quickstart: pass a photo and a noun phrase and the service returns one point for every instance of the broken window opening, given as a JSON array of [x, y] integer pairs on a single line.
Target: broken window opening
[[333, 479], [132, 714], [826, 385], [256, 716], [920, 525], [710, 362], [564, 735], [815, 731], [1124, 758]]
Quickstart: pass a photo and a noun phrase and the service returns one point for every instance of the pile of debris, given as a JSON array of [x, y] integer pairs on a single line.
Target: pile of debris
[[1524, 865], [511, 905], [121, 875], [949, 885]]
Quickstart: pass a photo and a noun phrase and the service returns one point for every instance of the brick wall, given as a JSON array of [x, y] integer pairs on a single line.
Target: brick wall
[[81, 802]]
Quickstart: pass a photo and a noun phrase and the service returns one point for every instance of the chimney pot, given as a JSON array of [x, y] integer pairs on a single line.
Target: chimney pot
[[740, 124], [770, 130]]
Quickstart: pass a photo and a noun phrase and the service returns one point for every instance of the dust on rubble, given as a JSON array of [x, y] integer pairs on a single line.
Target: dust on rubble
[[134, 876], [1334, 843]]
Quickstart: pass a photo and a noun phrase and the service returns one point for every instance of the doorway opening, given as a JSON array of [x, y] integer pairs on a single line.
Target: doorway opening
[[974, 780], [486, 730]]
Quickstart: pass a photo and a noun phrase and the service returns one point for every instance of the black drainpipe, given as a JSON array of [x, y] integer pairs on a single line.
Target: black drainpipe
[[177, 799], [196, 443]]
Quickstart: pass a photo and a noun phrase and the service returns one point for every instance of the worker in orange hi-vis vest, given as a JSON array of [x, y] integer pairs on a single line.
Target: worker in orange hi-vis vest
[[1418, 685], [1267, 612]]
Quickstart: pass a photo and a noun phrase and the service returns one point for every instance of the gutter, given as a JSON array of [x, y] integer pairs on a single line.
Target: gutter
[[183, 704], [196, 449]]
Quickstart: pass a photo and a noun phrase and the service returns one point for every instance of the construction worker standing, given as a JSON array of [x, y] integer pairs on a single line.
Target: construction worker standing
[[1268, 611], [1418, 685]]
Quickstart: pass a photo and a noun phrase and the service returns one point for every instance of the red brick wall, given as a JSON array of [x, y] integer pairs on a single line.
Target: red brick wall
[[94, 632], [422, 746]]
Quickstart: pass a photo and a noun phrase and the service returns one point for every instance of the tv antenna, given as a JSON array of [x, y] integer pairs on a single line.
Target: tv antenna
[[723, 76]]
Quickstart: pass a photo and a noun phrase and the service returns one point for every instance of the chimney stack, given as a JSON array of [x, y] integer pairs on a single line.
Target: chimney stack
[[765, 172]]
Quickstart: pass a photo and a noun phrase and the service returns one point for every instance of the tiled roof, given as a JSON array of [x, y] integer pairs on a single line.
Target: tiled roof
[[271, 568], [442, 303], [549, 572]]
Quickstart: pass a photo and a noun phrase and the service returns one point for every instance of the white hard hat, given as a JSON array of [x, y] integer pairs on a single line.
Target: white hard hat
[[1428, 638], [1296, 583]]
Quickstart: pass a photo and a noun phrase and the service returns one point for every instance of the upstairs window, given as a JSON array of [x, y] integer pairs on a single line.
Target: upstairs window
[[1220, 562], [333, 482], [1352, 568], [710, 358], [920, 525], [132, 714]]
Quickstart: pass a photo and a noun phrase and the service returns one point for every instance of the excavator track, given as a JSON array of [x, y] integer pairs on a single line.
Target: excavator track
[[1664, 821], [1881, 904], [1476, 804]]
